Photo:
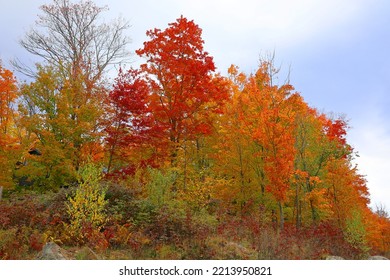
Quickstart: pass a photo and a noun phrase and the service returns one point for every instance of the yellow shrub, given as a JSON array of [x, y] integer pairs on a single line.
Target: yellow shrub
[[87, 208]]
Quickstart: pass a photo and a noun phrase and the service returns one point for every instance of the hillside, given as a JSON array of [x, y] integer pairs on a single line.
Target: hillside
[[173, 160]]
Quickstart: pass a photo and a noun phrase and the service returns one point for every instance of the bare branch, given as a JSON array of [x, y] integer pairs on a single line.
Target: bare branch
[[73, 34]]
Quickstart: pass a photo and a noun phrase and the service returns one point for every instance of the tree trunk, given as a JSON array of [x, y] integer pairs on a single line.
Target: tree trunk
[[281, 216], [297, 209], [1, 192], [314, 214], [185, 166]]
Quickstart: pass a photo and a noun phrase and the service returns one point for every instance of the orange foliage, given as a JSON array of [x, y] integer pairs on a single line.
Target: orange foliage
[[9, 146], [8, 94]]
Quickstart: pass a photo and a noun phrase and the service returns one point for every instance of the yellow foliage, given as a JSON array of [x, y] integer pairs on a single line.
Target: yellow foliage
[[87, 208]]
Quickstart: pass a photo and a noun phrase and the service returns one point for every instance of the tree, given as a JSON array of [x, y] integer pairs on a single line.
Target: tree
[[9, 144], [184, 91], [61, 108], [347, 190], [8, 94], [130, 122], [238, 170], [73, 35], [314, 149], [259, 131], [61, 117], [273, 120], [381, 211]]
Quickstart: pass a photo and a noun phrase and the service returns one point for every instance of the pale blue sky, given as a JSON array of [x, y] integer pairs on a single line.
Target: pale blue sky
[[338, 52]]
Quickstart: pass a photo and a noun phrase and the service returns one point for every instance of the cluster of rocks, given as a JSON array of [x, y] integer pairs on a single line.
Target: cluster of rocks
[[51, 251], [369, 258]]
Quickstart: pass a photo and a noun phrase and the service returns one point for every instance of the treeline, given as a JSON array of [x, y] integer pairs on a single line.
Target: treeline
[[175, 134]]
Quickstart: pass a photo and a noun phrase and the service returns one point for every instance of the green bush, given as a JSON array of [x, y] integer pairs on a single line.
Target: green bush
[[355, 234], [160, 186]]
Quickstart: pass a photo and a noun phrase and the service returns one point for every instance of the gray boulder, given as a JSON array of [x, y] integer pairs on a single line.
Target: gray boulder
[[51, 251], [334, 258], [377, 258]]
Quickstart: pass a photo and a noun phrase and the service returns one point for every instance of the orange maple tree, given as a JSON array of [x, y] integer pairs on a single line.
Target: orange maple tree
[[271, 116], [8, 139], [8, 94]]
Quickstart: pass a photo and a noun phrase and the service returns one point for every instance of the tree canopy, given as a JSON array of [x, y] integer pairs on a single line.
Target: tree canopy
[[172, 153]]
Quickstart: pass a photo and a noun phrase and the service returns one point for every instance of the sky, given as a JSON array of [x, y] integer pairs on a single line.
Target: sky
[[337, 54]]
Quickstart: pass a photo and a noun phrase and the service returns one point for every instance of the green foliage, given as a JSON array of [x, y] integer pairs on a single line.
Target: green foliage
[[160, 186], [87, 208], [355, 233], [169, 252], [144, 214], [59, 116], [122, 203]]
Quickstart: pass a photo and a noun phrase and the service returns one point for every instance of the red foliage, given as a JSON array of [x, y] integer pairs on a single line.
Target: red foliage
[[36, 241], [183, 90], [314, 242], [94, 238], [337, 130], [23, 212], [130, 122]]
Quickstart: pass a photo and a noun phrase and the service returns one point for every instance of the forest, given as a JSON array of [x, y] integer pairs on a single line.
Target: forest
[[171, 159]]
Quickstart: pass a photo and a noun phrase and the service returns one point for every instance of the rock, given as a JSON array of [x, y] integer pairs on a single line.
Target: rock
[[377, 258], [51, 251], [334, 258]]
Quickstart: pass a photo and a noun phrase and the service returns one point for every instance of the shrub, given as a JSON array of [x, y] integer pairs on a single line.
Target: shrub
[[314, 242], [19, 243], [10, 247], [355, 234], [87, 208]]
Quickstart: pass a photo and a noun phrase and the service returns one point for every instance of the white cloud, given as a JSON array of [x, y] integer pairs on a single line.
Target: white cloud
[[236, 31], [284, 21], [372, 141]]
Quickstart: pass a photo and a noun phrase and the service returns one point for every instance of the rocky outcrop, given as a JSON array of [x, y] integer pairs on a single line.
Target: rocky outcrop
[[51, 251], [334, 258], [369, 258], [377, 258]]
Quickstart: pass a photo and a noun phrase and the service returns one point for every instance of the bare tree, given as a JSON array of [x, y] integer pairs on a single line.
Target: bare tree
[[72, 34], [381, 211], [76, 45]]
